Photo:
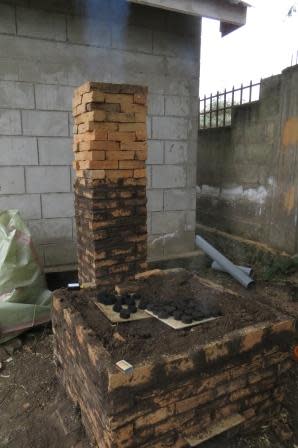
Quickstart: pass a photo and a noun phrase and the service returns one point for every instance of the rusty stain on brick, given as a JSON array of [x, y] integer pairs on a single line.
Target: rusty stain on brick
[[290, 133], [289, 200]]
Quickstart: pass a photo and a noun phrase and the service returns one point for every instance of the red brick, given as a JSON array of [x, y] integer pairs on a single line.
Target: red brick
[[118, 174], [122, 99], [90, 155], [81, 109], [140, 98], [127, 164], [141, 135], [77, 100], [97, 164], [91, 136], [141, 117], [98, 145], [84, 88], [121, 117], [133, 108], [133, 127], [134, 146], [97, 116], [139, 173], [141, 155], [94, 96], [91, 174], [92, 126], [123, 137], [120, 155]]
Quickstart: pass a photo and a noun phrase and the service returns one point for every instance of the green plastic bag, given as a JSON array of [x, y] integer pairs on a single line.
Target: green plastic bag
[[25, 300]]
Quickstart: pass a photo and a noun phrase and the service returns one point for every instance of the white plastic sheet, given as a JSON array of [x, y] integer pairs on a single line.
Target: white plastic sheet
[[24, 299]]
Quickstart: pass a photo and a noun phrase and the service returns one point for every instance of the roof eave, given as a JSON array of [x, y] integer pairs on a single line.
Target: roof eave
[[231, 13]]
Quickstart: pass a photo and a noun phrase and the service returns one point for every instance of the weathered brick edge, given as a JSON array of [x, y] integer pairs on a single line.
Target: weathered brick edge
[[166, 401], [110, 149]]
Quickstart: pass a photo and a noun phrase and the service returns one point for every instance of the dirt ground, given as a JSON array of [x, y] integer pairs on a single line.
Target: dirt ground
[[35, 413]]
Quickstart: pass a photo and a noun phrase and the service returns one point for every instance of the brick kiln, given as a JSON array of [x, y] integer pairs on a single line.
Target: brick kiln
[[110, 146], [184, 386]]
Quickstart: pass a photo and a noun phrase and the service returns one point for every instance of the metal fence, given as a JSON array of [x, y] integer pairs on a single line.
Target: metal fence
[[294, 59], [216, 109]]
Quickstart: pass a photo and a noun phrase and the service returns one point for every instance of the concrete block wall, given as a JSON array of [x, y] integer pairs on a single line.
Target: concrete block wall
[[246, 173], [49, 48]]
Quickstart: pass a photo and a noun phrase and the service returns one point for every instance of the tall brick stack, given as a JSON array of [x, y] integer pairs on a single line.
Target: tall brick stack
[[110, 148]]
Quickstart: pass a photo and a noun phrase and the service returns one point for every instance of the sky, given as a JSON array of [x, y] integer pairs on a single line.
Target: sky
[[261, 48]]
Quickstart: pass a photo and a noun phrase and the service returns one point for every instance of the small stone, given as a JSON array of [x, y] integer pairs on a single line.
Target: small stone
[[124, 366], [118, 337], [3, 354], [117, 307], [156, 309], [142, 304], [127, 299], [109, 299], [112, 299], [130, 301], [170, 309], [132, 308], [197, 316], [124, 314], [123, 300], [186, 319], [177, 315], [104, 299], [163, 314], [12, 346]]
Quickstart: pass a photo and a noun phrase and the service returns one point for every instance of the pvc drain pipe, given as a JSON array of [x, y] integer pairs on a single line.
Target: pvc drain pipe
[[217, 267], [229, 267]]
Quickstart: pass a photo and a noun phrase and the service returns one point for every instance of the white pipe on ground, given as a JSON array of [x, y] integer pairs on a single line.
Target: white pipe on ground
[[217, 267], [233, 270]]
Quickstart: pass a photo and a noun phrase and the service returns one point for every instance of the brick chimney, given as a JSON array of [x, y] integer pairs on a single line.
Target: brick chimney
[[110, 148]]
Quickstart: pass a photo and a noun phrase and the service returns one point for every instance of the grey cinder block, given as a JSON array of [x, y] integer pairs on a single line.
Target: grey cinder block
[[37, 23], [27, 204], [90, 31], [7, 19], [168, 176], [12, 180], [175, 152], [154, 200], [178, 106], [168, 222], [169, 128], [47, 179], [53, 97], [18, 151], [10, 122], [175, 199], [55, 151], [16, 95], [43, 123], [155, 152], [60, 254], [51, 230], [57, 205]]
